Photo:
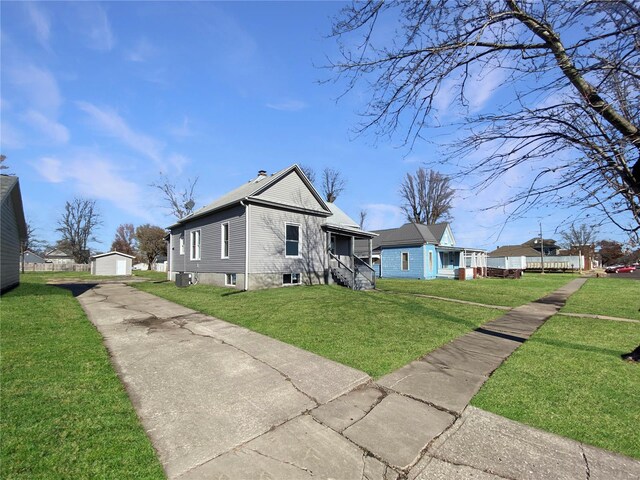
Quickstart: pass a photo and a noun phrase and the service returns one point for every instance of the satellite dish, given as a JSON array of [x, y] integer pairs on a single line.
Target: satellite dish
[[189, 205]]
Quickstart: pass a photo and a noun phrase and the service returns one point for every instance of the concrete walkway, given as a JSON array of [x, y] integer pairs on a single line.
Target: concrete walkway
[[220, 401]]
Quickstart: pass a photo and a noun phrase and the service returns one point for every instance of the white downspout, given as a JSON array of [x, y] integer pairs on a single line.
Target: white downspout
[[247, 239]]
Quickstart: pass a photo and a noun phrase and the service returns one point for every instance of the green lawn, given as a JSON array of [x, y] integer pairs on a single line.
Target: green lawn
[[366, 330], [64, 413], [568, 378], [150, 274], [615, 297], [492, 291]]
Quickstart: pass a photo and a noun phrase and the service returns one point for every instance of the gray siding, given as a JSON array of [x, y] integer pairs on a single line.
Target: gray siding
[[211, 243], [267, 244], [107, 265], [9, 246], [291, 190]]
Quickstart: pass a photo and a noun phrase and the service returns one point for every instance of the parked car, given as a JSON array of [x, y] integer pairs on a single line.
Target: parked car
[[628, 269], [613, 268]]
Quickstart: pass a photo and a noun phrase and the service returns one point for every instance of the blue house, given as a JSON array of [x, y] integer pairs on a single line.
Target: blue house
[[415, 250]]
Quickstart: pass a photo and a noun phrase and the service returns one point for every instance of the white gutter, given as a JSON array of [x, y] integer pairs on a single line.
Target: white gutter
[[246, 243]]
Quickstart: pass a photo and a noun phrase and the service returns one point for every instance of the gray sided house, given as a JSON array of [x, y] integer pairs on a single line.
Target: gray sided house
[[275, 230], [13, 232], [111, 263], [31, 257]]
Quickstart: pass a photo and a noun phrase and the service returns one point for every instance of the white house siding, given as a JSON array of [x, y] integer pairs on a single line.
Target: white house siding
[[9, 246], [108, 265], [211, 267], [267, 259], [291, 190]]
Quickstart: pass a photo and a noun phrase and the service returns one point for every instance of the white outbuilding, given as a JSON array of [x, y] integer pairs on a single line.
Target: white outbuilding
[[111, 263]]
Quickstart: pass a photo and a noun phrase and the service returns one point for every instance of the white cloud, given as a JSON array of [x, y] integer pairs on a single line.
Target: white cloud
[[55, 131], [50, 169], [93, 176], [178, 161], [288, 105], [10, 137], [92, 22], [114, 125], [141, 52], [183, 130], [39, 86], [381, 216], [41, 23]]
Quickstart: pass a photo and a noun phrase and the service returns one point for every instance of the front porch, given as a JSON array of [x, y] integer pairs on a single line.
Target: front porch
[[461, 263], [344, 267]]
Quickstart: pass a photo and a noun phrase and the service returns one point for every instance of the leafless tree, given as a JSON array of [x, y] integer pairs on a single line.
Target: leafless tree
[[569, 105], [332, 184], [2, 165], [151, 242], [30, 242], [427, 196], [309, 172], [579, 236], [363, 217], [125, 239], [77, 225], [178, 201]]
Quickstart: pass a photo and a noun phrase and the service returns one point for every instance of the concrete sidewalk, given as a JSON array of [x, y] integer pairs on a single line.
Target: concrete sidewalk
[[220, 401]]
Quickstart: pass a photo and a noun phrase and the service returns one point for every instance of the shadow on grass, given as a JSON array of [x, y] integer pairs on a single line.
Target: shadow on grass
[[232, 292], [576, 346], [76, 289]]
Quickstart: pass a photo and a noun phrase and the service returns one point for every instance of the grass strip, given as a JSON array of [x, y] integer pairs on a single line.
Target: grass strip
[[64, 412], [614, 297], [365, 330], [490, 291], [568, 379]]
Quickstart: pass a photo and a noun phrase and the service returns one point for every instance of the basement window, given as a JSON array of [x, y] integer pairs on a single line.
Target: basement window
[[291, 279], [230, 279]]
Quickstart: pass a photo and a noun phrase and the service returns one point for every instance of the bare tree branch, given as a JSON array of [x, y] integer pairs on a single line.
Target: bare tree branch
[[178, 202], [427, 196], [332, 184], [77, 225]]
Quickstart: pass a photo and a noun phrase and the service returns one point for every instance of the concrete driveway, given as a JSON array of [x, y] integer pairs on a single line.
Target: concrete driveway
[[219, 401]]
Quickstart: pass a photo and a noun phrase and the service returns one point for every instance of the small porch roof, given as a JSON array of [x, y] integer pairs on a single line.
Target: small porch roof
[[349, 231]]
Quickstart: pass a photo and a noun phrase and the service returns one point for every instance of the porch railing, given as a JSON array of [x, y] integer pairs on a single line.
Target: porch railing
[[368, 272]]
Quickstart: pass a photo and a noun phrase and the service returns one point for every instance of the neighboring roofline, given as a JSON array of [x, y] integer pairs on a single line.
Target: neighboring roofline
[[261, 187], [112, 253], [468, 249], [16, 196]]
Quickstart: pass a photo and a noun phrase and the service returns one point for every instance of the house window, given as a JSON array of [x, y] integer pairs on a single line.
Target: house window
[[225, 241], [430, 261], [292, 240], [405, 261], [182, 244], [195, 245], [230, 279], [291, 279]]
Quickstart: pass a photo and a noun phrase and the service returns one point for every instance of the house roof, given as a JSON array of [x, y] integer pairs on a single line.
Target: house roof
[[548, 242], [112, 253], [249, 189], [410, 234], [10, 188], [514, 251], [57, 253]]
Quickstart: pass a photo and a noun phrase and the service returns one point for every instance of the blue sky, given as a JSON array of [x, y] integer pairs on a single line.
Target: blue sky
[[98, 98]]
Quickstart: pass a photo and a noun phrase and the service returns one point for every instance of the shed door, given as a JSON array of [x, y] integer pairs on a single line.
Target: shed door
[[121, 267]]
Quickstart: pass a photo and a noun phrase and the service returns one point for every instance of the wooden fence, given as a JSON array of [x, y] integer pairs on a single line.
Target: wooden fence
[[57, 267]]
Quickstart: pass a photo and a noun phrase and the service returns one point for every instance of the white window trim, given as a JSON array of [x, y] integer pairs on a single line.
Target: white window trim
[[299, 239], [227, 276], [191, 236], [401, 262], [430, 260], [222, 255], [181, 242]]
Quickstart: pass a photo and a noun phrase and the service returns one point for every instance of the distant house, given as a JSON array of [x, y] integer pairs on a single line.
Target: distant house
[[111, 263], [275, 230], [31, 257], [13, 232], [415, 250], [549, 245], [59, 257]]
